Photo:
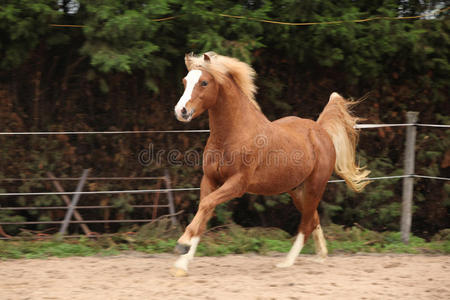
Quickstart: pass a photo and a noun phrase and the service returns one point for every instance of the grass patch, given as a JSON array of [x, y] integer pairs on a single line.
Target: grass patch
[[232, 239], [44, 249]]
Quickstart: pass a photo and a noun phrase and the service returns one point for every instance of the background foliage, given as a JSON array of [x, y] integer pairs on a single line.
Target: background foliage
[[123, 71]]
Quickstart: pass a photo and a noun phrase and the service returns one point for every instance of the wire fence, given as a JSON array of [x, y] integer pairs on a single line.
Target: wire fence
[[359, 126], [168, 190]]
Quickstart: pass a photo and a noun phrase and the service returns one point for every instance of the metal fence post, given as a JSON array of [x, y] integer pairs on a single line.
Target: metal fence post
[[408, 182], [74, 202], [170, 198]]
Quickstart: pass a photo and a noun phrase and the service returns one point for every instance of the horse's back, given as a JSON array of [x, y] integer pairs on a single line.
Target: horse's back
[[313, 133], [296, 124], [306, 128]]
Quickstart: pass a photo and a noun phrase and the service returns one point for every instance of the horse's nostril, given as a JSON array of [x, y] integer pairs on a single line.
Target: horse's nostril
[[183, 111]]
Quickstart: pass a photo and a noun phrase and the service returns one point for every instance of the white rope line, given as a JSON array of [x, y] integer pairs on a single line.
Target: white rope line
[[102, 192], [197, 189], [102, 132], [79, 178], [433, 125], [360, 126], [430, 177], [375, 178]]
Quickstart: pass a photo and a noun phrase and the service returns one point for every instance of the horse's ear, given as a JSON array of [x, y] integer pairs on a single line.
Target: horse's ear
[[206, 58], [188, 60]]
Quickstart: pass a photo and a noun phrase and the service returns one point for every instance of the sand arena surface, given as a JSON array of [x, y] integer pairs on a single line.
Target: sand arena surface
[[140, 276]]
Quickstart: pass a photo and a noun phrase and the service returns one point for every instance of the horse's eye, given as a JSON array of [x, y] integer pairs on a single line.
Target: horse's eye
[[204, 83]]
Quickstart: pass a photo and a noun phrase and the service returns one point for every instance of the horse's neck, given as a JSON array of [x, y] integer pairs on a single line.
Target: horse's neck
[[233, 114]]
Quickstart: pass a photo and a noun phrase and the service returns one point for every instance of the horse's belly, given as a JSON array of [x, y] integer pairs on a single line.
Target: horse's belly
[[283, 168], [277, 180], [269, 189]]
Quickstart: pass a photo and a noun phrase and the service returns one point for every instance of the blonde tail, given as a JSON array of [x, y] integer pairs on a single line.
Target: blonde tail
[[337, 120]]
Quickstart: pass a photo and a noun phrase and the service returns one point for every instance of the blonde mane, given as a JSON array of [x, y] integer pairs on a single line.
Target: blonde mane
[[219, 66]]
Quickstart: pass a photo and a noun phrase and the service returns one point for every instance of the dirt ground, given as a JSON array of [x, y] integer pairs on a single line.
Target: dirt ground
[[140, 276]]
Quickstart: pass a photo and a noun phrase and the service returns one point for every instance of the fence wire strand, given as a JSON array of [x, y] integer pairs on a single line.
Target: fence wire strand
[[197, 188], [102, 192], [88, 179], [359, 126], [102, 132]]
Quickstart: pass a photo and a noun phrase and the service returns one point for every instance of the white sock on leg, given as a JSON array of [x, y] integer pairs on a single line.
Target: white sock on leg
[[294, 252], [183, 261]]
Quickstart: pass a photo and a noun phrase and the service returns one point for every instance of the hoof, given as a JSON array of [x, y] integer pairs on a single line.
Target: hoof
[[318, 259], [182, 248], [177, 272]]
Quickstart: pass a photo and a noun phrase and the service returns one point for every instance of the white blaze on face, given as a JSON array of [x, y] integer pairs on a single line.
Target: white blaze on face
[[191, 80]]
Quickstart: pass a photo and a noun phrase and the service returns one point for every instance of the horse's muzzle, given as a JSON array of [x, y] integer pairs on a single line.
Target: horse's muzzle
[[184, 115]]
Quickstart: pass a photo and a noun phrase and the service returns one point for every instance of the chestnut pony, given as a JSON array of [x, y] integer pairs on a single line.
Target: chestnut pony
[[246, 152]]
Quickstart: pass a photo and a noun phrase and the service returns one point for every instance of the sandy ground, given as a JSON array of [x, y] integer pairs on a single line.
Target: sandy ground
[[139, 276]]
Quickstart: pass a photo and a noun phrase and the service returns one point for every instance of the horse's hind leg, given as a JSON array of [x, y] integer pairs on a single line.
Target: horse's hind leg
[[320, 243], [306, 198]]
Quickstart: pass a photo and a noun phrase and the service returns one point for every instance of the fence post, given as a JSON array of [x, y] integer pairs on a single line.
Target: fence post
[[66, 199], [408, 169], [74, 202], [170, 198]]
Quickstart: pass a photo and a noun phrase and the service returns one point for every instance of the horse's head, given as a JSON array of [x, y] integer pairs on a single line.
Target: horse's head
[[200, 91]]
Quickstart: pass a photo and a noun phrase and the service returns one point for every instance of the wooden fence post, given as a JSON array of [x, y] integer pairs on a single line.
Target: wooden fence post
[[74, 202], [408, 182], [66, 199]]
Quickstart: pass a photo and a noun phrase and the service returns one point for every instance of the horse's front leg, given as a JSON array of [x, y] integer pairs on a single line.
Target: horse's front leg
[[187, 244], [207, 186]]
